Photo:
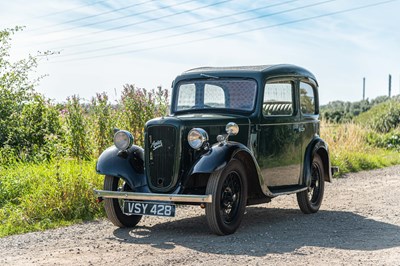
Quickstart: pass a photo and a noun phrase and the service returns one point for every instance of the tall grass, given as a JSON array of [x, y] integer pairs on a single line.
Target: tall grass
[[47, 195], [350, 150]]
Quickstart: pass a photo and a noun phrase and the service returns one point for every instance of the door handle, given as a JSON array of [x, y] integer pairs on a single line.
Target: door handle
[[299, 128]]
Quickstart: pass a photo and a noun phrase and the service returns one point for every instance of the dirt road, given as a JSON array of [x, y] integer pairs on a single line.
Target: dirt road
[[358, 224]]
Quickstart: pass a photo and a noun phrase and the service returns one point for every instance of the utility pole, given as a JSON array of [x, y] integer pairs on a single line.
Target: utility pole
[[390, 85], [363, 88]]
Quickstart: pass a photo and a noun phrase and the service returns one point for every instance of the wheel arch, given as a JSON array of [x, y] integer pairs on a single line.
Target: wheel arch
[[320, 147], [219, 156]]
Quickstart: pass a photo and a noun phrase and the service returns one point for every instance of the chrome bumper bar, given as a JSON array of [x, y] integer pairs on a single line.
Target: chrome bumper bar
[[153, 196]]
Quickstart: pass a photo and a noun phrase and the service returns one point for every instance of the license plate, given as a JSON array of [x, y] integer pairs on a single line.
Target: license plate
[[149, 208]]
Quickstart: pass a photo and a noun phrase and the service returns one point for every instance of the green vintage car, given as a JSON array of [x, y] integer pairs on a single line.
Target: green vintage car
[[235, 136]]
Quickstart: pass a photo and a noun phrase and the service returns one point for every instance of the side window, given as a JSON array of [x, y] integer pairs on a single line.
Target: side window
[[307, 99], [278, 98], [214, 96]]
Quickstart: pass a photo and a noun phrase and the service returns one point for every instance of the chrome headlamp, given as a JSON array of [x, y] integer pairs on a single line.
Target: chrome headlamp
[[197, 137], [123, 140], [232, 129]]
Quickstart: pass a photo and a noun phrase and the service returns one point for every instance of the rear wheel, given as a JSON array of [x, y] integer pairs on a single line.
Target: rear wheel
[[114, 207], [228, 188], [310, 200]]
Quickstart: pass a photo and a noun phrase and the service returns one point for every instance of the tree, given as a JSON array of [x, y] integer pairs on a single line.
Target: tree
[[26, 117]]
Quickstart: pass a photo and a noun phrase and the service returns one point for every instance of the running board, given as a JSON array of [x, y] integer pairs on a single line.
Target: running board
[[286, 190]]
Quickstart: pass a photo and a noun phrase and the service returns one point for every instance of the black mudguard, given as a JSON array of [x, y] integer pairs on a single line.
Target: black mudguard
[[128, 165], [217, 157], [317, 145]]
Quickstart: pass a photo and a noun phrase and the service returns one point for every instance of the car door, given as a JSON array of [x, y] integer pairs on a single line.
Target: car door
[[280, 142]]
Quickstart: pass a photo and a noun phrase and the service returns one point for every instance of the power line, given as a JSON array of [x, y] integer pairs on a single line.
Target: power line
[[89, 17], [178, 26], [118, 18], [67, 10], [236, 33], [201, 30]]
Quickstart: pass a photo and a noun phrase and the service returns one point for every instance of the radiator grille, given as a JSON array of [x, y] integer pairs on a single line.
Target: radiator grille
[[161, 155]]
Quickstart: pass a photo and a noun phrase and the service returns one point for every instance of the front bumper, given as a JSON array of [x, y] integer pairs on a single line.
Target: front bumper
[[153, 196]]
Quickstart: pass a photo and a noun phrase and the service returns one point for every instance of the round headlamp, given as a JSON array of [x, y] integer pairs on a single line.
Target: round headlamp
[[197, 137], [123, 140]]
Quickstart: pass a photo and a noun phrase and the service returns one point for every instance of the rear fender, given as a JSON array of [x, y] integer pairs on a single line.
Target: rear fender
[[320, 147], [128, 165]]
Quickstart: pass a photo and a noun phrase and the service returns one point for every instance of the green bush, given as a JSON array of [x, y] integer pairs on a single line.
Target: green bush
[[77, 134], [137, 106], [36, 130], [27, 120], [390, 140], [382, 118], [102, 123]]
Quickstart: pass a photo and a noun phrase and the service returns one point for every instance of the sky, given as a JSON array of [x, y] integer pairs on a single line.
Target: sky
[[102, 45]]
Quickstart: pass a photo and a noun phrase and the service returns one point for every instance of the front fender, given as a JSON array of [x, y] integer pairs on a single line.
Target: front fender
[[217, 157], [319, 146], [128, 165]]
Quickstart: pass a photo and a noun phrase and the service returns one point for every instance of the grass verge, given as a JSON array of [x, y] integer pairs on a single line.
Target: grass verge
[[349, 149], [48, 195]]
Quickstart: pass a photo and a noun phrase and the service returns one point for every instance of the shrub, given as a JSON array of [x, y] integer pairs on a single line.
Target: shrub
[[390, 140], [383, 117], [102, 122], [36, 130], [137, 106], [77, 129]]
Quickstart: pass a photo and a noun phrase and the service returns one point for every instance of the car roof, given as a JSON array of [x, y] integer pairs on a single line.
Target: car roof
[[275, 70]]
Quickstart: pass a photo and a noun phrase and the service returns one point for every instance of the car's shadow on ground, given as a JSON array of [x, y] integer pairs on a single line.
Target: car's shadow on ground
[[272, 231]]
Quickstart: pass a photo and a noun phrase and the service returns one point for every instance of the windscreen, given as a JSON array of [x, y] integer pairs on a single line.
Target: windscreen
[[234, 94]]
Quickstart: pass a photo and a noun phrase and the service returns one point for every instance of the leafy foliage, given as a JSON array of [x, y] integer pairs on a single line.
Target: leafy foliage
[[389, 140], [343, 112], [382, 118], [102, 122], [76, 128], [27, 119], [138, 106]]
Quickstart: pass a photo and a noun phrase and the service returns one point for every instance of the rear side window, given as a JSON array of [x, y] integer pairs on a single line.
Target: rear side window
[[307, 99], [278, 98]]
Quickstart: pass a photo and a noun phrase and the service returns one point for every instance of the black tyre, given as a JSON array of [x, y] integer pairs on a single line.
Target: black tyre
[[228, 188], [114, 207], [310, 200]]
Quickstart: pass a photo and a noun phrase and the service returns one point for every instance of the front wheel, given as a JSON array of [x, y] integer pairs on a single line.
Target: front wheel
[[228, 188], [310, 200], [114, 207]]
